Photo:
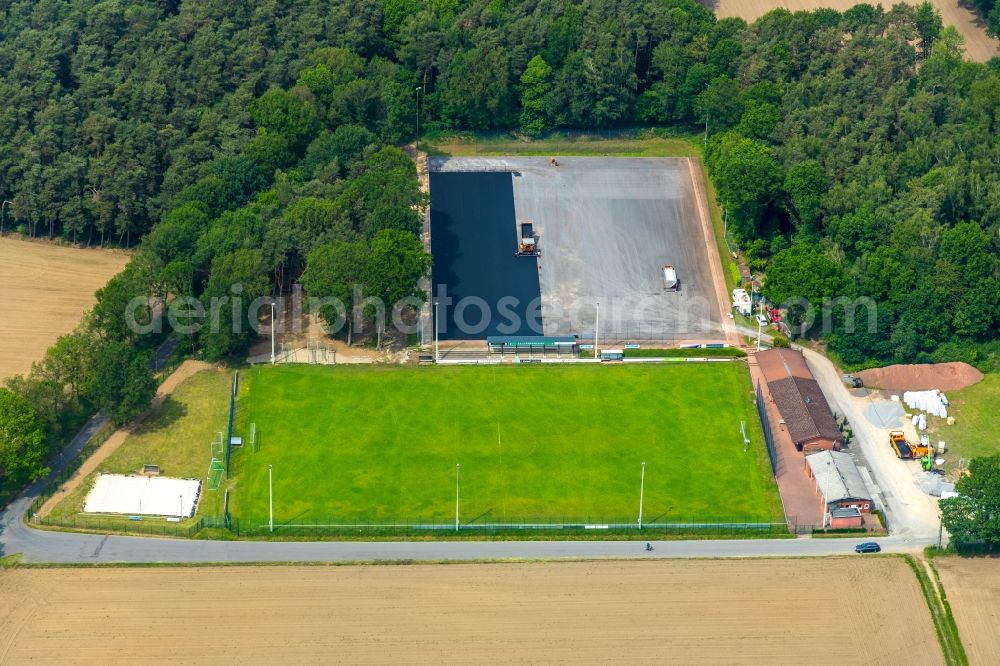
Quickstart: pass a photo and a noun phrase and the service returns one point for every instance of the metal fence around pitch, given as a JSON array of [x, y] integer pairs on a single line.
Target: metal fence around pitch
[[232, 413], [124, 525], [253, 527], [772, 453], [524, 528]]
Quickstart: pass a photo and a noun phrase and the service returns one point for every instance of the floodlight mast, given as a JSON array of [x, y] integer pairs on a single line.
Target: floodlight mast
[[272, 332], [642, 488], [270, 501], [457, 467], [597, 326]]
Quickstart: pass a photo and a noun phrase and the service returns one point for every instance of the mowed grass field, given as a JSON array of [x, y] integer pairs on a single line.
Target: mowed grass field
[[177, 436], [374, 445], [974, 432]]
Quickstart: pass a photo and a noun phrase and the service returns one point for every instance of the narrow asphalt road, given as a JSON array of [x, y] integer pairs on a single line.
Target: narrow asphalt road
[[44, 546]]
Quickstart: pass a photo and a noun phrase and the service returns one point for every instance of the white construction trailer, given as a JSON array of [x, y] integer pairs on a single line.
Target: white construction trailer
[[669, 278]]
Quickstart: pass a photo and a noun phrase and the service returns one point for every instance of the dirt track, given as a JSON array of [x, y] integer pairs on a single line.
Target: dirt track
[[831, 611], [973, 589], [978, 46], [46, 290]]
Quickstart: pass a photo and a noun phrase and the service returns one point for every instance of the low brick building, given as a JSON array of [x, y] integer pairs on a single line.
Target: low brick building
[[800, 401], [840, 519], [838, 485]]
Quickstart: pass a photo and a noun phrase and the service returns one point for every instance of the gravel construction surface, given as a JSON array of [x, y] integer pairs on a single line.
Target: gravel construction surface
[[606, 228], [687, 612], [885, 414], [922, 376]]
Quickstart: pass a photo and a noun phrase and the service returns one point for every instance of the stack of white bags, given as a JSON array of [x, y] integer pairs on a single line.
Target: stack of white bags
[[933, 402]]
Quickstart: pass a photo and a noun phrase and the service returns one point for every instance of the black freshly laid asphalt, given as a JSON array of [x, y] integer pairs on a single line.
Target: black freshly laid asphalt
[[474, 239]]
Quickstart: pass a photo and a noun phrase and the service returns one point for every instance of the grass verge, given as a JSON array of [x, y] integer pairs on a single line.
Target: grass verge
[[676, 352], [937, 602], [624, 143]]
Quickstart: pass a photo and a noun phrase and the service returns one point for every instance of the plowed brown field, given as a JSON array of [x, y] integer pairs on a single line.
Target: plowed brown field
[[830, 611], [46, 289], [978, 45], [973, 589]]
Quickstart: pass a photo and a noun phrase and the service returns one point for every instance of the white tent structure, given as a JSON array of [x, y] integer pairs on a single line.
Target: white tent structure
[[143, 496]]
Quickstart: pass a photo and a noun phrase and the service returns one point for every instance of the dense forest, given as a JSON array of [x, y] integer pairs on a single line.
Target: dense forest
[[856, 154], [990, 12]]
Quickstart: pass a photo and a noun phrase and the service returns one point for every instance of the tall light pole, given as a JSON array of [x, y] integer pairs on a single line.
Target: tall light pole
[[273, 322], [457, 466], [759, 327], [3, 207], [597, 326], [418, 89], [642, 489], [435, 331], [270, 501], [181, 514]]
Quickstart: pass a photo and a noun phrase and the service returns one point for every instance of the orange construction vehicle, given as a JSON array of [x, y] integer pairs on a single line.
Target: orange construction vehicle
[[906, 450], [527, 245]]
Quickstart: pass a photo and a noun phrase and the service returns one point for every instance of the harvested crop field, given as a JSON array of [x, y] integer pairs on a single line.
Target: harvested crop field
[[973, 589], [978, 45], [922, 376], [709, 612], [47, 288]]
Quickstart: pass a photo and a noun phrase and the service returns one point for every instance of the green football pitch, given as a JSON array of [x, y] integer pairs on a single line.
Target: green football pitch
[[539, 444]]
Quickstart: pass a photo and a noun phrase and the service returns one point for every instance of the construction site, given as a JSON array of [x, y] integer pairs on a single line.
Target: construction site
[[612, 249]]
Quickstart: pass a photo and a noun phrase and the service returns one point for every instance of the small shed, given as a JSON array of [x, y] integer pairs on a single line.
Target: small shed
[[840, 519]]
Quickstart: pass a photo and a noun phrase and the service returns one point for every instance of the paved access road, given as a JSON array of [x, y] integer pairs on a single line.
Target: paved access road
[[912, 532], [62, 547]]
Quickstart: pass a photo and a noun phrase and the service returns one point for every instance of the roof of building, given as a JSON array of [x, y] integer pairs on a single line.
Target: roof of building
[[837, 477], [797, 395], [781, 363], [846, 512]]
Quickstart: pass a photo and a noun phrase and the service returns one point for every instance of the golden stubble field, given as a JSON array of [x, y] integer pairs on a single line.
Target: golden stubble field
[[46, 289], [978, 45], [815, 611], [973, 589]]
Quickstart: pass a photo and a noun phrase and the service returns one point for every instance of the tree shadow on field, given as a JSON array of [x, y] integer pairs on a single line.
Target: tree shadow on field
[[656, 519], [479, 517], [288, 522], [168, 412]]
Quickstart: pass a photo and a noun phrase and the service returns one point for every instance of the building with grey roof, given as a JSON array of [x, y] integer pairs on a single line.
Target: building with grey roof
[[838, 482]]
